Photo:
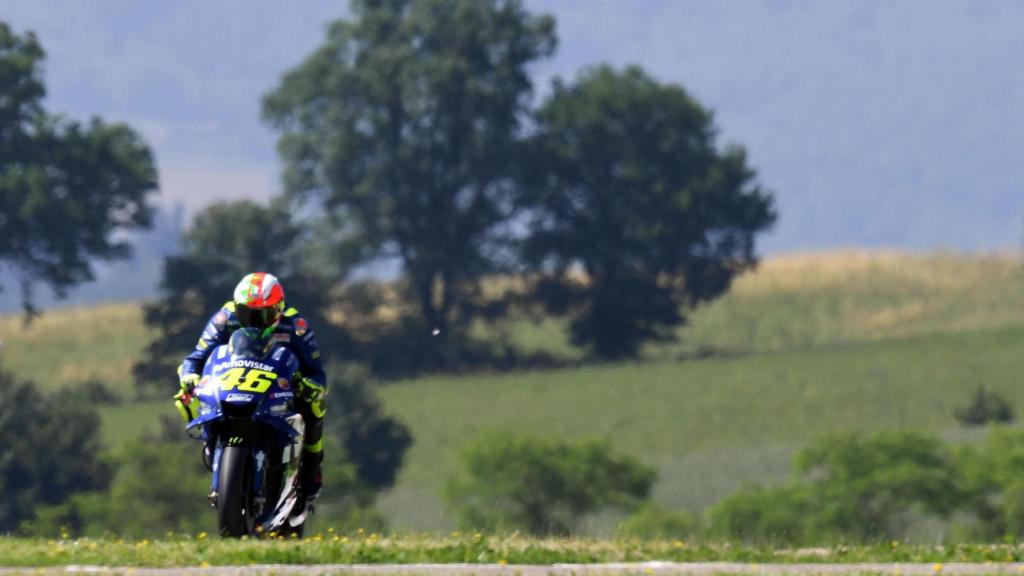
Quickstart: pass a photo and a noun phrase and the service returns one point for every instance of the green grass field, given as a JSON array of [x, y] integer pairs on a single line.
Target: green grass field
[[362, 548], [806, 345], [708, 425], [76, 345]]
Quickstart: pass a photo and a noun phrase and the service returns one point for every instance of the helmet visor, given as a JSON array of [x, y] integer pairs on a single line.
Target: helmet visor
[[261, 318]]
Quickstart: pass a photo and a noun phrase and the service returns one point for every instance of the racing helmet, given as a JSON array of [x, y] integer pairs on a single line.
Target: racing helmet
[[249, 344], [259, 302]]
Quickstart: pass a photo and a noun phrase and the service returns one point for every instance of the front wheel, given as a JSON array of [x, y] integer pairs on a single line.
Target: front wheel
[[233, 510]]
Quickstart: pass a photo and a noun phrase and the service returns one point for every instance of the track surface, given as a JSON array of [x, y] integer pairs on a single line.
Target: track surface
[[645, 568]]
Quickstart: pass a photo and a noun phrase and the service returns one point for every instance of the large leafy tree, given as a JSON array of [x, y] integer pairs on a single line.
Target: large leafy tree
[[66, 187], [404, 126], [627, 184]]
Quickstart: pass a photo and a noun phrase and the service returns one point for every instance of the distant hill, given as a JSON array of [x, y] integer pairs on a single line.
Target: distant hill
[[794, 302]]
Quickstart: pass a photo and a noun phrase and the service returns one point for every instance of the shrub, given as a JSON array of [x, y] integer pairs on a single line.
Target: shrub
[[651, 521], [159, 484], [49, 449], [985, 407], [777, 515], [543, 486], [994, 484], [848, 488]]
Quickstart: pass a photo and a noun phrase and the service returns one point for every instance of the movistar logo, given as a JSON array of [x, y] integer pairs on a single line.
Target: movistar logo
[[249, 364]]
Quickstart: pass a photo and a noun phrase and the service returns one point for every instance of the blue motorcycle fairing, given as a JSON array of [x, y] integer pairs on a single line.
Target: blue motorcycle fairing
[[274, 397], [263, 385]]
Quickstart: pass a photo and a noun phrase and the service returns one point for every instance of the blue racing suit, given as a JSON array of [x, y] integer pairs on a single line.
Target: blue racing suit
[[294, 333]]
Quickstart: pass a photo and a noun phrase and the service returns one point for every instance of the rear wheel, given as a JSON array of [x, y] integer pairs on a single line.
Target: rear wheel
[[233, 509]]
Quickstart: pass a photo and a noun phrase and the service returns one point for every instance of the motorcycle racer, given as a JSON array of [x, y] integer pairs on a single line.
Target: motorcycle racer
[[259, 303]]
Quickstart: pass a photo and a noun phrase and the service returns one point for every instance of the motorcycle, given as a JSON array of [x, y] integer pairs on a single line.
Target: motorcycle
[[243, 410]]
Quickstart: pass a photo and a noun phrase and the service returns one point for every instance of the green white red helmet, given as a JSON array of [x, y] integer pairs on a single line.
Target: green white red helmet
[[259, 301]]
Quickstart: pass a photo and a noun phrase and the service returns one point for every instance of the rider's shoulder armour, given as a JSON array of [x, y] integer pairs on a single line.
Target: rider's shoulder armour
[[292, 324]]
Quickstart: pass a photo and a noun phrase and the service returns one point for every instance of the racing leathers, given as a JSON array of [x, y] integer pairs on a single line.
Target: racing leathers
[[293, 332]]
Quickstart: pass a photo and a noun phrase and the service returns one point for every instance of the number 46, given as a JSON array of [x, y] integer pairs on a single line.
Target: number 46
[[247, 380]]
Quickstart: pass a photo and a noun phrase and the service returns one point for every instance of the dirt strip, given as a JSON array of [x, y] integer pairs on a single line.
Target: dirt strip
[[644, 568]]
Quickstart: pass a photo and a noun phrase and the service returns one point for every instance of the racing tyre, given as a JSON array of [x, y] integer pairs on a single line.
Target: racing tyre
[[233, 509]]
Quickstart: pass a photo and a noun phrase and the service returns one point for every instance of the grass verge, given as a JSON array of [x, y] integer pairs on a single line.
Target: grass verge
[[329, 548]]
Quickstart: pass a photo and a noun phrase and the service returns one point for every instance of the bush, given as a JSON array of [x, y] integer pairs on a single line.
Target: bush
[[542, 486], [651, 521], [775, 516], [985, 407], [847, 489], [49, 449], [994, 484], [159, 484]]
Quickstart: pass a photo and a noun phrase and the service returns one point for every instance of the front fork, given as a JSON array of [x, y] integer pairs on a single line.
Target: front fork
[[259, 460]]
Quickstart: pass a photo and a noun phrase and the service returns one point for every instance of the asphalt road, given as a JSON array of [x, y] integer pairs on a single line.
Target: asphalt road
[[661, 568]]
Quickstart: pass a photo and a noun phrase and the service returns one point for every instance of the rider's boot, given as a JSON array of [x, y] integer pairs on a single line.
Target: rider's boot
[[309, 478]]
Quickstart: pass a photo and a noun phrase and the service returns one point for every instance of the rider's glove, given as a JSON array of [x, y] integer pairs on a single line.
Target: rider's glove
[[311, 391], [188, 383]]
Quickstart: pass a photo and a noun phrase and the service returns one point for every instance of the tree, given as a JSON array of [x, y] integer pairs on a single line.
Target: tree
[[66, 188], [404, 126], [374, 442], [543, 486], [49, 450], [985, 407], [626, 183]]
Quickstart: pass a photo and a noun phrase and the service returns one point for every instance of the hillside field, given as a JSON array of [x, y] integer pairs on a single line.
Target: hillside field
[[805, 345]]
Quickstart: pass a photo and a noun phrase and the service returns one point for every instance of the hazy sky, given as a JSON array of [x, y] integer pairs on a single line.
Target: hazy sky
[[877, 123]]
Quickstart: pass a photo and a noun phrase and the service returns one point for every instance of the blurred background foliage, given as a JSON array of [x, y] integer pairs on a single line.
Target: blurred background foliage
[[544, 487], [478, 261]]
